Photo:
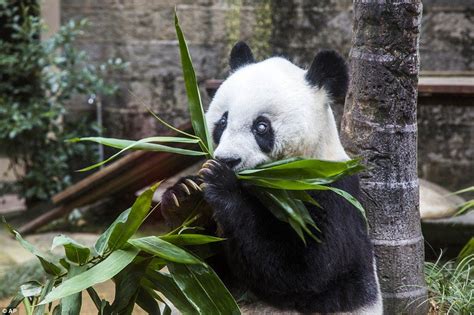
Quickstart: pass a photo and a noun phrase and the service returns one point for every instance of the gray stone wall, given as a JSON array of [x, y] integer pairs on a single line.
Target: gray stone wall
[[446, 43], [142, 33], [446, 140]]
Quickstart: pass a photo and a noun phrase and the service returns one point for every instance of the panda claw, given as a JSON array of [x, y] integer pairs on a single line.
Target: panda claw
[[186, 189], [176, 202], [205, 171], [207, 164], [193, 184], [213, 163]]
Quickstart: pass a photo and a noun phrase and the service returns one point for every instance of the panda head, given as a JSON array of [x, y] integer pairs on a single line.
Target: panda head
[[273, 109]]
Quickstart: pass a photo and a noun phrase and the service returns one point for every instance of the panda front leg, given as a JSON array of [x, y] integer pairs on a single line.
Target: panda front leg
[[223, 193], [246, 224], [261, 250], [179, 200]]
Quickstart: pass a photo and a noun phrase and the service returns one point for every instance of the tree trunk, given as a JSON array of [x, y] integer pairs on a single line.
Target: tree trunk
[[379, 124]]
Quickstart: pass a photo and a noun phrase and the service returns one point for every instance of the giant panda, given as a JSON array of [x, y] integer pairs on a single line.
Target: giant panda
[[267, 111]]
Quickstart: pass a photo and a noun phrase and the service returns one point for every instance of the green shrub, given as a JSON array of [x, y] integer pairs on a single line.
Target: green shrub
[[451, 284], [37, 79]]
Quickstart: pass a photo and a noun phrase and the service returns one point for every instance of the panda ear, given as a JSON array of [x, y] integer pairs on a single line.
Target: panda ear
[[329, 70], [240, 55]]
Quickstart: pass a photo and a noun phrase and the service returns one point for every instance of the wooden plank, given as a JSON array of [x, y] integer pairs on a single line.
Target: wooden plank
[[119, 168], [446, 85], [449, 83]]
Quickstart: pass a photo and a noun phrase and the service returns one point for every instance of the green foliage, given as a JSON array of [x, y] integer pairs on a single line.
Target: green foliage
[[51, 267], [135, 265], [468, 205], [198, 119], [451, 285], [147, 144], [37, 79], [467, 250]]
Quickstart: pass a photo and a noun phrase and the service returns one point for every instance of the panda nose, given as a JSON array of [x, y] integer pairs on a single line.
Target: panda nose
[[230, 162]]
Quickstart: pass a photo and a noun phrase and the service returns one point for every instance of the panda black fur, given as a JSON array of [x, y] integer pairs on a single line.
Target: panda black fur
[[252, 124]]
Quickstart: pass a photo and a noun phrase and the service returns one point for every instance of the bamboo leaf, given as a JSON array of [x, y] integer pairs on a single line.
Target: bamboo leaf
[[127, 286], [466, 251], [143, 144], [204, 289], [287, 184], [269, 203], [72, 304], [15, 301], [190, 239], [196, 111], [138, 213], [48, 286], [462, 191], [465, 207], [31, 288], [127, 223], [74, 251], [146, 301], [304, 169], [46, 263], [102, 242], [166, 285], [279, 198], [101, 272], [167, 310], [298, 229], [303, 196], [349, 198], [295, 211], [303, 212], [156, 246], [122, 143]]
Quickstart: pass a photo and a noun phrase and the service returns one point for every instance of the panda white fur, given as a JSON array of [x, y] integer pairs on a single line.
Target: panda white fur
[[264, 112]]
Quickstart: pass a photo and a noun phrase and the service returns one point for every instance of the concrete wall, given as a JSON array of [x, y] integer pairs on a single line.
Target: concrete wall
[[447, 33], [446, 140], [142, 32]]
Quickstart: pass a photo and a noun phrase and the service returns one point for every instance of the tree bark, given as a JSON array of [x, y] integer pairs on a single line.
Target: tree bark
[[379, 124]]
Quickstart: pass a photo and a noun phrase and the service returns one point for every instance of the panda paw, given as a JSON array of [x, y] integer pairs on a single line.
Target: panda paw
[[180, 199], [217, 176]]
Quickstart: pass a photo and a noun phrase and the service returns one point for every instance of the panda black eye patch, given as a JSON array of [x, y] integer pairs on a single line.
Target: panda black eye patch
[[263, 133], [219, 128]]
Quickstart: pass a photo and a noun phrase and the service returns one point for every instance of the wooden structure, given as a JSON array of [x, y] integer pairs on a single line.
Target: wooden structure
[[446, 85]]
